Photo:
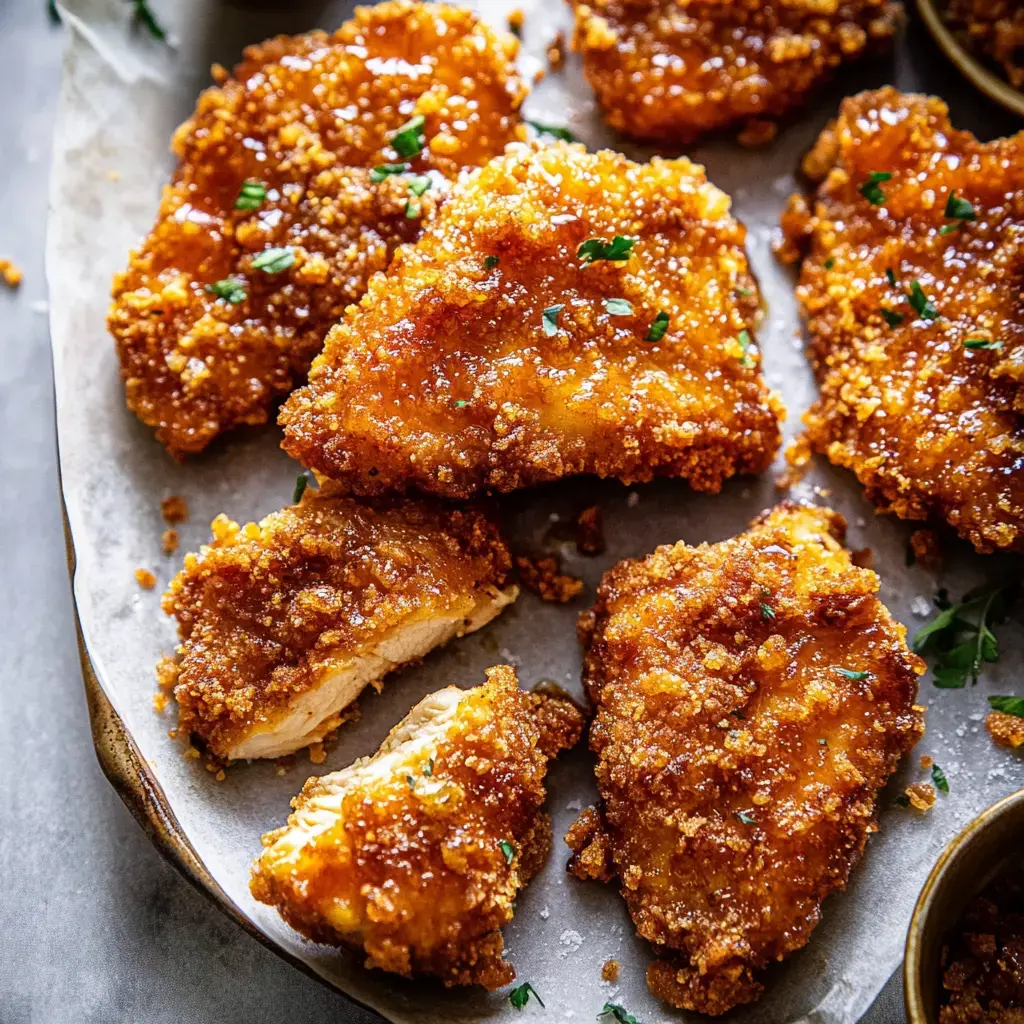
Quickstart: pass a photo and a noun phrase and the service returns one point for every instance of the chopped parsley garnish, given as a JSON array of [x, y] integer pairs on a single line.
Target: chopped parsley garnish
[[273, 261], [490, 262], [251, 195], [618, 307], [231, 289], [744, 339], [520, 995], [961, 640], [549, 319], [419, 183], [429, 769], [617, 250], [460, 403], [144, 16], [411, 781], [940, 780], [851, 674], [822, 743], [922, 304], [301, 483], [408, 141], [983, 343], [1008, 705], [767, 612], [745, 292], [382, 171], [618, 1012], [659, 325], [959, 209], [892, 318], [871, 190], [830, 262], [508, 850], [413, 208], [890, 276], [554, 130], [746, 818]]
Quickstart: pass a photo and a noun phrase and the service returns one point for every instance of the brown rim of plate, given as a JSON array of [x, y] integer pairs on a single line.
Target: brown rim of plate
[[931, 900], [967, 64], [127, 771]]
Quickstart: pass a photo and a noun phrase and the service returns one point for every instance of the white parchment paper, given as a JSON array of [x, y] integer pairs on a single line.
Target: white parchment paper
[[122, 96]]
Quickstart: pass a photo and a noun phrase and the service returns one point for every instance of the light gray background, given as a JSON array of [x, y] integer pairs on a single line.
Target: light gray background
[[94, 925]]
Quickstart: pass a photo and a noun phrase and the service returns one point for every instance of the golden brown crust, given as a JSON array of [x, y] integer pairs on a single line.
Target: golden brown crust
[[738, 766], [415, 874], [308, 116], [669, 70], [994, 28], [265, 609], [444, 378], [1005, 729], [933, 427]]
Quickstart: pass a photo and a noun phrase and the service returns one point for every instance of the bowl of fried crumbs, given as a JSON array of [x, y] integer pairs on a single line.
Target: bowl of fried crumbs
[[965, 947]]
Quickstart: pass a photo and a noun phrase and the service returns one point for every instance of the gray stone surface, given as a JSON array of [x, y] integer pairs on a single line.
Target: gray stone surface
[[96, 927]]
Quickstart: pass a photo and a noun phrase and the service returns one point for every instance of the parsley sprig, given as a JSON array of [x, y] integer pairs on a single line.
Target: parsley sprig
[[618, 1013], [960, 638], [520, 995], [274, 260], [507, 850], [251, 195], [958, 210], [659, 325], [555, 131], [143, 15], [409, 140], [1008, 705], [871, 189], [940, 780], [231, 289], [617, 250]]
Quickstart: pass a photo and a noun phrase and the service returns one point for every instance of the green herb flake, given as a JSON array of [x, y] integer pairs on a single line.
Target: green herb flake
[[892, 318], [746, 818], [922, 305], [273, 261], [409, 140], [419, 183], [871, 189], [983, 343], [618, 307], [251, 195], [617, 250], [554, 130], [902, 800], [410, 781], [959, 209], [301, 483], [231, 289], [939, 778], [429, 769], [851, 674], [822, 743], [382, 171], [1008, 705], [658, 328], [618, 1012], [890, 276], [413, 208], [490, 262], [745, 342], [549, 319], [830, 262], [520, 995], [747, 292], [508, 850], [460, 403], [143, 15], [767, 612]]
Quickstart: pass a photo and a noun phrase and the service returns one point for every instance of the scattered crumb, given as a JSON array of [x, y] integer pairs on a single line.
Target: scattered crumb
[[756, 133], [921, 606], [610, 971], [862, 558], [798, 459], [145, 579], [281, 770], [927, 550], [545, 913], [926, 762], [516, 20], [220, 775], [589, 534], [317, 754], [539, 75], [169, 541], [1007, 730], [556, 51], [191, 753], [921, 795], [11, 273], [174, 509], [509, 658], [542, 576], [285, 763], [166, 672], [219, 73], [113, 175], [571, 940], [160, 701]]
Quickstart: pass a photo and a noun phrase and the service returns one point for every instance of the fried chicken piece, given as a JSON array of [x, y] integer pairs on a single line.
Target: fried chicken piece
[[303, 121], [752, 698], [497, 353], [285, 622], [994, 28], [670, 70], [416, 855], [912, 289]]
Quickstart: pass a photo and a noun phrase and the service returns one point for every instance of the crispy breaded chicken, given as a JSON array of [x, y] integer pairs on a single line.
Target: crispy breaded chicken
[[275, 205], [752, 698], [283, 623], [566, 312], [912, 287], [995, 28], [416, 855], [669, 70]]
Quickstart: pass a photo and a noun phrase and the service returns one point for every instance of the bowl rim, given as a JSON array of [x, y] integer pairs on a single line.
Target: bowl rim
[[912, 989], [967, 64]]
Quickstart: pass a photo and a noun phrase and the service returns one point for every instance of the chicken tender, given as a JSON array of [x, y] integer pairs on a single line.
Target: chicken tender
[[912, 290], [285, 622], [417, 854], [995, 28], [752, 698], [298, 177], [669, 70], [566, 312]]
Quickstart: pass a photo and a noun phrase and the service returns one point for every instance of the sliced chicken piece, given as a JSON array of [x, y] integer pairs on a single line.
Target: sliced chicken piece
[[416, 854], [284, 622]]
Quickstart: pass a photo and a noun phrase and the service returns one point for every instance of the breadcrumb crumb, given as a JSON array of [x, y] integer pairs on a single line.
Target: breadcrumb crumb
[[11, 273], [317, 754], [169, 541], [921, 796], [926, 761], [589, 531], [927, 549], [166, 672], [542, 576], [610, 970], [145, 579], [1006, 730], [160, 701], [556, 51], [174, 509]]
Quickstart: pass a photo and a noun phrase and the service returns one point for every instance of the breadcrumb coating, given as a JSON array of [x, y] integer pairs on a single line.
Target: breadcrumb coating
[[994, 28], [272, 614], [417, 854], [670, 70], [489, 356], [306, 118], [1005, 729], [752, 698], [925, 405]]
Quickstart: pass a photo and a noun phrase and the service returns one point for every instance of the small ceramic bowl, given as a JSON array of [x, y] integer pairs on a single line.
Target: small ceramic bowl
[[965, 867], [967, 64]]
